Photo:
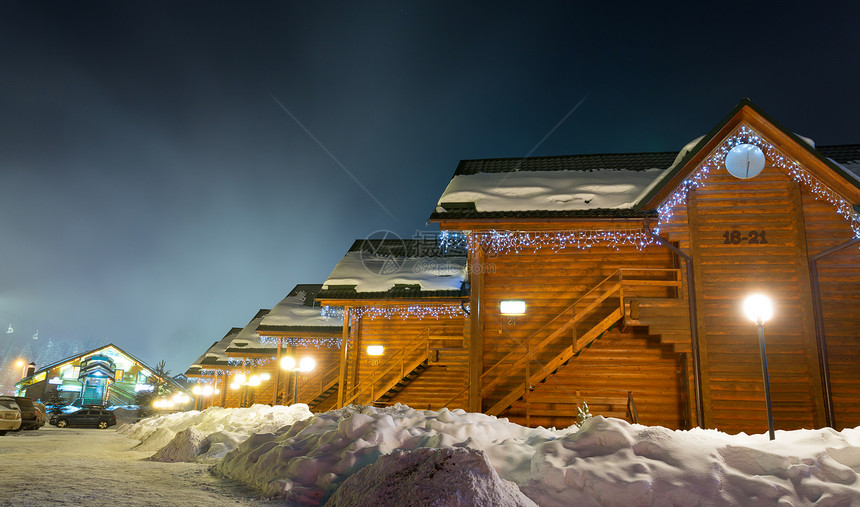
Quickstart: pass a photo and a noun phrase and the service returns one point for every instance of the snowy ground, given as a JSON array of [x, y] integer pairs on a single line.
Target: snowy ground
[[84, 466], [398, 456]]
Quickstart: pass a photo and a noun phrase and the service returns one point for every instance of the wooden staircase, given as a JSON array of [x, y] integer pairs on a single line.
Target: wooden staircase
[[574, 330], [405, 381], [319, 388], [667, 317], [396, 372], [330, 390]]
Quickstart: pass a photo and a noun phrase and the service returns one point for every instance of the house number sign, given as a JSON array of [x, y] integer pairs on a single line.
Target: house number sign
[[734, 237]]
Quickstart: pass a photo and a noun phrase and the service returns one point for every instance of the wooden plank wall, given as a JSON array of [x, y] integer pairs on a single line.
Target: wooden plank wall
[[617, 363], [839, 278], [726, 274], [550, 281], [441, 382]]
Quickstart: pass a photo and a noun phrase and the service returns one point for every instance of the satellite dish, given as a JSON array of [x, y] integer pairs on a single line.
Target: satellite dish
[[745, 161]]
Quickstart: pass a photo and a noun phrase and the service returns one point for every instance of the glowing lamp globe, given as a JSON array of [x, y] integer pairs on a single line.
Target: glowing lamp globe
[[196, 390], [758, 308], [288, 363], [307, 364], [239, 378]]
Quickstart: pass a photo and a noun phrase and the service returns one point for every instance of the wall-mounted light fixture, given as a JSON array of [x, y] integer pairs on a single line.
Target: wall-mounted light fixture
[[512, 307], [375, 350]]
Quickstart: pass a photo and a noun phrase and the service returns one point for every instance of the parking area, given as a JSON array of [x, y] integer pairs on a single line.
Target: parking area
[[86, 466]]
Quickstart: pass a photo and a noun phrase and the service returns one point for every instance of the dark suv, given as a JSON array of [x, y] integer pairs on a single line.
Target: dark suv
[[88, 416], [29, 419]]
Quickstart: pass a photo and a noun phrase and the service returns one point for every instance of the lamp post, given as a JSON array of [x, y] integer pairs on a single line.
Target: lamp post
[[203, 392], [305, 365], [759, 309], [241, 380]]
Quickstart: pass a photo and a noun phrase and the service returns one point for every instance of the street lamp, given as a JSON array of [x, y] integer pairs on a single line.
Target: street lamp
[[759, 309], [203, 392], [240, 380], [305, 365]]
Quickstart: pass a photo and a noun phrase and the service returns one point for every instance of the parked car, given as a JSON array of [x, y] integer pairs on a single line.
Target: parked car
[[29, 419], [99, 417], [10, 415], [41, 413]]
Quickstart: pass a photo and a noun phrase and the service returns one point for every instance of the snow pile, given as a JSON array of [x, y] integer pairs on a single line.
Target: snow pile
[[431, 477], [549, 190], [380, 272], [222, 429], [186, 446], [607, 462]]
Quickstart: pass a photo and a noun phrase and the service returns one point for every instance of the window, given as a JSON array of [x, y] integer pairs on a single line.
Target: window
[[118, 375]]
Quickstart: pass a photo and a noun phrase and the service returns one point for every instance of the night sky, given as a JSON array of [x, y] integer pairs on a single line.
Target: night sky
[[154, 192]]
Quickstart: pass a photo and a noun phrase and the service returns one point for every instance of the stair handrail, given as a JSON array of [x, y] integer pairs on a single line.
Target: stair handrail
[[569, 309], [423, 338], [323, 384], [618, 272]]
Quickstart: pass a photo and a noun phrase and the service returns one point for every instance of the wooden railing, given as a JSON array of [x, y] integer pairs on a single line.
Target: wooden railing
[[318, 383], [393, 369], [600, 308]]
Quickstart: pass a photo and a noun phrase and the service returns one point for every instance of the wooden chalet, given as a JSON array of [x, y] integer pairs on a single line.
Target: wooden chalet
[[633, 268], [403, 323], [295, 327], [215, 369]]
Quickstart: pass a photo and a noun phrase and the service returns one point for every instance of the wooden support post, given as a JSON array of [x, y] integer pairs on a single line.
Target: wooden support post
[[476, 324], [224, 388], [277, 372], [699, 309], [341, 387], [806, 304]]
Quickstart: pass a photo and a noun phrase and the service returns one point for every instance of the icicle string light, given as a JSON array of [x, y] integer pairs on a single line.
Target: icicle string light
[[403, 312], [302, 342], [746, 135], [582, 239], [258, 361], [332, 311]]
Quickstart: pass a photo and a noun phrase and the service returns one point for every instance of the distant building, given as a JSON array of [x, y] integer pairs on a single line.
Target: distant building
[[104, 376]]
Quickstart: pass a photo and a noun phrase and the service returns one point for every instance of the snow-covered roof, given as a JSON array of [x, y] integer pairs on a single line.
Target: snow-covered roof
[[214, 355], [558, 190], [247, 337], [396, 268], [576, 185], [297, 312]]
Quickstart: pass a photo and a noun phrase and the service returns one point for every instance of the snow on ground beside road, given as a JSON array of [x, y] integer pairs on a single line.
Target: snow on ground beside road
[[607, 462], [222, 429]]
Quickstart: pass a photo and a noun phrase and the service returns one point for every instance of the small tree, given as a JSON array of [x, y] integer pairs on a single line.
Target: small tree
[[582, 414], [159, 379], [55, 401]]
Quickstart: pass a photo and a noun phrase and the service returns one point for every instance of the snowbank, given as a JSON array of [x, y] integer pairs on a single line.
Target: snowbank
[[607, 462], [430, 477], [216, 430]]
